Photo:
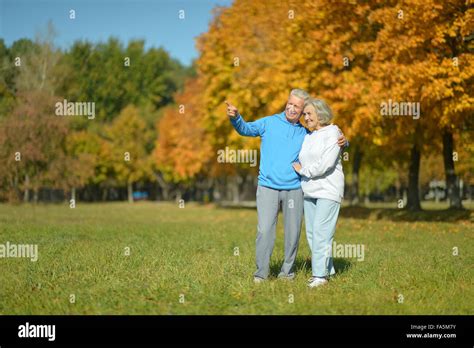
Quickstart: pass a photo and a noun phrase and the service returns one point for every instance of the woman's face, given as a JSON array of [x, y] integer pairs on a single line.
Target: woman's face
[[310, 117]]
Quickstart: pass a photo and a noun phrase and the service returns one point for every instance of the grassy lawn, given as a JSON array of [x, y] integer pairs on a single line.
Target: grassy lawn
[[182, 262]]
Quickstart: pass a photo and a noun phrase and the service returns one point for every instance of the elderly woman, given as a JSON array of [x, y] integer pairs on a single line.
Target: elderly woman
[[322, 181]]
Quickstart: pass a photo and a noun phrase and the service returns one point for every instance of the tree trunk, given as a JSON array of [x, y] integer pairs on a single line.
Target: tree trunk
[[14, 194], [166, 193], [35, 195], [165, 187], [73, 194], [179, 194], [235, 181], [367, 193], [413, 201], [217, 192], [26, 195], [398, 189], [452, 183], [105, 192], [355, 177], [130, 192]]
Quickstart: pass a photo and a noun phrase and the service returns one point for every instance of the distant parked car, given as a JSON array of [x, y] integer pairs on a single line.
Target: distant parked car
[[140, 195]]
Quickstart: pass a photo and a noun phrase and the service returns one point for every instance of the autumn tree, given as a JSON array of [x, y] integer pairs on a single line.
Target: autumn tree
[[129, 137], [429, 65], [183, 150], [31, 140], [31, 134], [77, 164]]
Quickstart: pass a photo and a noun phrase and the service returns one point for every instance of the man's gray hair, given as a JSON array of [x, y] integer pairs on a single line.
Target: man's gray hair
[[323, 111], [300, 94]]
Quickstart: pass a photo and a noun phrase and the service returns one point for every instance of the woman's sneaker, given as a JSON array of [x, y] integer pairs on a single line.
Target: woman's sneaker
[[316, 281]]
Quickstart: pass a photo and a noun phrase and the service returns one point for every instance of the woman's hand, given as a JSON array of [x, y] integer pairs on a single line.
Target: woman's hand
[[297, 166]]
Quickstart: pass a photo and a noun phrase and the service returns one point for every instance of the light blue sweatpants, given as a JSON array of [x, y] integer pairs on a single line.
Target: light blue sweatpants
[[320, 219], [268, 205]]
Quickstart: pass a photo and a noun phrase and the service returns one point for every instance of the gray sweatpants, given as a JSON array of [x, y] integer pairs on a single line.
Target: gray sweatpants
[[268, 203]]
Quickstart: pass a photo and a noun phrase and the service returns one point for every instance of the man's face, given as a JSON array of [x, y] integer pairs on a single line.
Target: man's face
[[294, 108]]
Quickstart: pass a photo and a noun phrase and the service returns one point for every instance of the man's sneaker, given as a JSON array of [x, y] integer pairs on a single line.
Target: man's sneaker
[[310, 280], [317, 282], [257, 280], [284, 276]]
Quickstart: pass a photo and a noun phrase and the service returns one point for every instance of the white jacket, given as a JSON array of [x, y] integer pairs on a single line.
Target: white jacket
[[321, 172]]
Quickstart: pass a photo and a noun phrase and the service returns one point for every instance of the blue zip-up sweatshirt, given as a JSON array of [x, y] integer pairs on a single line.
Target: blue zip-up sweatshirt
[[280, 146]]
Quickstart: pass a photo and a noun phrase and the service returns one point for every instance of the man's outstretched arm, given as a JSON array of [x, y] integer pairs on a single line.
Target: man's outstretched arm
[[342, 141], [249, 129]]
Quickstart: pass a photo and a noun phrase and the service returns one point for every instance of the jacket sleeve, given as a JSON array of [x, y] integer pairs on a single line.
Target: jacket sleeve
[[249, 129]]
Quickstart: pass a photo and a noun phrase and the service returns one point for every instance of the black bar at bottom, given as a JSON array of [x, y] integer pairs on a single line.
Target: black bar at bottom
[[430, 331]]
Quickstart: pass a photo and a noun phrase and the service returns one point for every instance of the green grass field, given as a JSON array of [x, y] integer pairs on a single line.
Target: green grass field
[[182, 262]]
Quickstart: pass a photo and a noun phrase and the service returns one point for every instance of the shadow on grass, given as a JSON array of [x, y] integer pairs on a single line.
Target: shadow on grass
[[391, 214], [303, 265], [446, 215]]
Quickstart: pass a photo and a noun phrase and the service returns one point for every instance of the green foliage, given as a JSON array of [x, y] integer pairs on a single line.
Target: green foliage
[[114, 76], [129, 86], [129, 138]]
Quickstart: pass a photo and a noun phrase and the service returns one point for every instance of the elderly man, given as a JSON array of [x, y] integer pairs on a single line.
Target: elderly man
[[281, 138]]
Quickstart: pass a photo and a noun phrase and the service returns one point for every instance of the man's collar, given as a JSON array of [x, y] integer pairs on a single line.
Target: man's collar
[[283, 117]]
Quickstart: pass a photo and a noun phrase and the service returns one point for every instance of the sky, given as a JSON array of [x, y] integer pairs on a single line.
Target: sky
[[155, 21]]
